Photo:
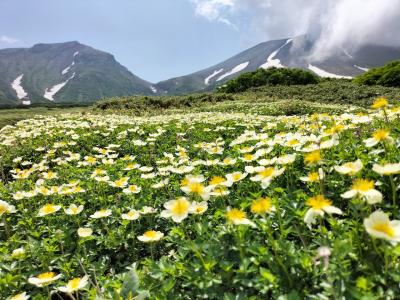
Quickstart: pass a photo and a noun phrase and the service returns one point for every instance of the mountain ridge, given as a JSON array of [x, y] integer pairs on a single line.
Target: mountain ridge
[[72, 72], [64, 72]]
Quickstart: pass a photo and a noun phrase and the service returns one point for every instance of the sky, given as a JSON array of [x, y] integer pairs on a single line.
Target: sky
[[160, 39]]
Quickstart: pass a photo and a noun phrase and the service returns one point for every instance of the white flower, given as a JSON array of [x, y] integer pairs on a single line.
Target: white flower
[[148, 210], [44, 279], [177, 209], [319, 205], [313, 176], [85, 232], [350, 168], [101, 214], [267, 175], [364, 188], [387, 169], [48, 209], [18, 253], [74, 284], [236, 176], [131, 215], [73, 209], [132, 189], [379, 226], [6, 208], [151, 236], [198, 208], [238, 217], [21, 296], [286, 159]]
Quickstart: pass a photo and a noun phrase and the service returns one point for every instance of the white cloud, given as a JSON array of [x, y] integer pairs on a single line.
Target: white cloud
[[345, 24], [8, 40], [215, 10]]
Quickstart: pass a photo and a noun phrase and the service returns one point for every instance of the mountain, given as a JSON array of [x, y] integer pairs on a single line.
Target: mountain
[[64, 73], [75, 73], [292, 52]]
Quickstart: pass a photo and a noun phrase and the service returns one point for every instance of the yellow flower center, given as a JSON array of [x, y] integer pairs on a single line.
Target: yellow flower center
[[318, 202], [363, 185], [293, 142], [227, 160], [384, 228], [185, 181], [248, 156], [48, 208], [133, 188], [235, 215], [313, 157], [181, 206], [261, 205], [120, 182], [217, 180], [47, 275], [3, 209], [314, 176], [196, 188], [151, 234], [200, 209], [381, 134], [236, 176], [74, 283], [267, 172]]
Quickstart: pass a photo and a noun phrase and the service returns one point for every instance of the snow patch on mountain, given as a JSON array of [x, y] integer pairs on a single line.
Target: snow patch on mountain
[[49, 93], [236, 69], [362, 68], [325, 74], [153, 89], [66, 70], [274, 62], [207, 80], [16, 85]]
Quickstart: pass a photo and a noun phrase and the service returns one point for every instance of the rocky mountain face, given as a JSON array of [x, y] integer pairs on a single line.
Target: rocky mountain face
[[64, 73], [74, 73], [291, 52]]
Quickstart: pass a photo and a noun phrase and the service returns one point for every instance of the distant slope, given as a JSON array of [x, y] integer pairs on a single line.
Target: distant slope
[[65, 72], [290, 52]]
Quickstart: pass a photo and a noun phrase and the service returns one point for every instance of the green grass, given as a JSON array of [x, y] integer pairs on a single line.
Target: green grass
[[329, 96], [12, 116]]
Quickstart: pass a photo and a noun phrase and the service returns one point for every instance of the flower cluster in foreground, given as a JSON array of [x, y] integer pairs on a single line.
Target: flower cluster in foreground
[[204, 205]]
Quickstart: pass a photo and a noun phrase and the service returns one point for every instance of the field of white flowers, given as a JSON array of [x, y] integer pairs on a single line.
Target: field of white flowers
[[206, 205]]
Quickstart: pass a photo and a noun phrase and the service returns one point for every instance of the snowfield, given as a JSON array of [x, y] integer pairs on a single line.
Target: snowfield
[[49, 93], [207, 80], [325, 74], [16, 85], [236, 69], [274, 62]]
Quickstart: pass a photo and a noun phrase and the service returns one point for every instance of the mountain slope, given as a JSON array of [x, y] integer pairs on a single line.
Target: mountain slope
[[294, 52], [64, 72]]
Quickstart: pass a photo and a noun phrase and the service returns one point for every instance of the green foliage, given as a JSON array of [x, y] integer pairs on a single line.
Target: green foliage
[[272, 76], [143, 104], [388, 75]]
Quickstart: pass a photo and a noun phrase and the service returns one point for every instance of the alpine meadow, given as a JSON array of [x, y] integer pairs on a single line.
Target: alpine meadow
[[274, 174]]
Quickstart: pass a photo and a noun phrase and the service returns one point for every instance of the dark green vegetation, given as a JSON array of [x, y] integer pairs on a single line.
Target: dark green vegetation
[[268, 77], [294, 99], [332, 96], [388, 75]]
